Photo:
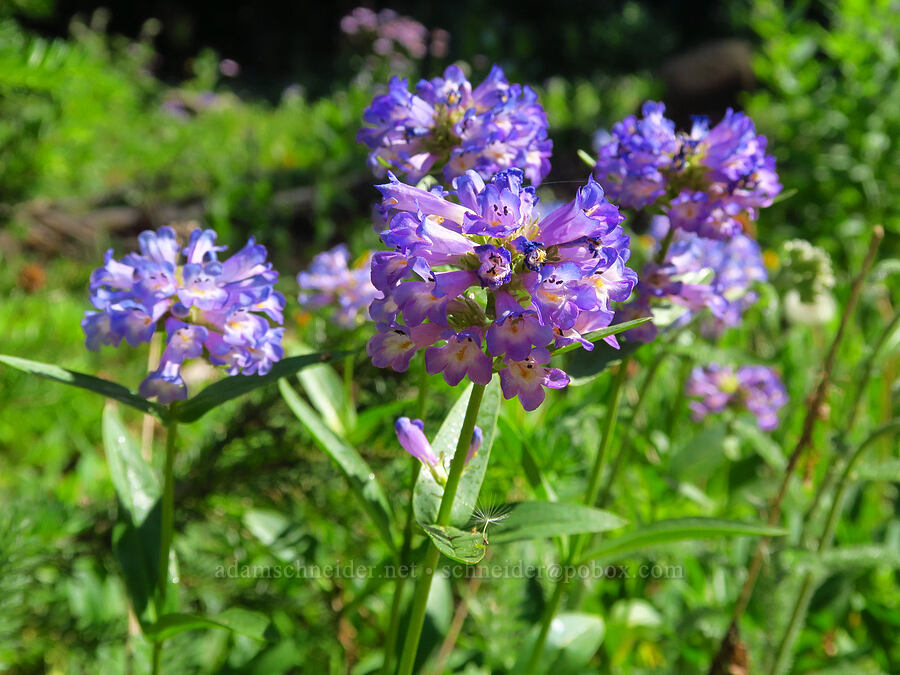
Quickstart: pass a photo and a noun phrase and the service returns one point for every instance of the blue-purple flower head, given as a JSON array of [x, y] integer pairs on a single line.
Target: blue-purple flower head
[[697, 274], [446, 123], [331, 281], [757, 389], [709, 181], [480, 281], [224, 308]]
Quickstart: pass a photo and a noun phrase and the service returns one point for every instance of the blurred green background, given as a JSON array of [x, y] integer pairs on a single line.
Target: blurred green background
[[118, 118]]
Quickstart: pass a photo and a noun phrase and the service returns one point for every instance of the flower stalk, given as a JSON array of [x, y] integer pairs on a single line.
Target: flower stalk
[[423, 587]]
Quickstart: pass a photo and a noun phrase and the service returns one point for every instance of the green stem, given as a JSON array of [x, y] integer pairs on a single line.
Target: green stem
[[405, 550], [801, 605], [626, 441], [168, 503], [664, 246], [590, 498], [420, 600]]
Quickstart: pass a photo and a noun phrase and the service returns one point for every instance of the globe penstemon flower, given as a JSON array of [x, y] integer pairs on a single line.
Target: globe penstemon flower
[[757, 389], [696, 274], [330, 281], [480, 281], [223, 308], [707, 181], [448, 123]]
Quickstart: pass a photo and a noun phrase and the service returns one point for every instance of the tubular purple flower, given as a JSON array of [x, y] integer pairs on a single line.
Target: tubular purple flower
[[494, 127], [411, 434], [203, 304], [757, 389], [708, 181], [508, 276], [330, 281]]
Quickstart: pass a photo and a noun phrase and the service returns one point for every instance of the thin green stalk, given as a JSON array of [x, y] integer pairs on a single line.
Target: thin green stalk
[[406, 548], [168, 508], [625, 448], [590, 498], [816, 401], [417, 615], [664, 246], [863, 385], [801, 605]]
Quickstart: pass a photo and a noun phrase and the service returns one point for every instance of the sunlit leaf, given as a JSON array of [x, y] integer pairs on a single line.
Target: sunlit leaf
[[231, 387], [677, 529], [136, 485], [97, 385], [358, 473], [428, 493], [458, 545]]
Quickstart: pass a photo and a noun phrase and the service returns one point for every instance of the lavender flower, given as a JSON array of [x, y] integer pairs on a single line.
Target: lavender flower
[[411, 434], [486, 266], [223, 307], [697, 274], [708, 181], [757, 389], [492, 127], [331, 281]]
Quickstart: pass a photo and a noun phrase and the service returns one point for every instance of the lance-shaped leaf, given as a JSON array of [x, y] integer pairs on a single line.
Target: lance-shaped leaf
[[325, 390], [96, 384], [240, 621], [604, 333], [428, 493], [533, 520], [674, 530], [358, 473], [584, 366], [572, 641], [231, 387], [458, 545], [136, 484]]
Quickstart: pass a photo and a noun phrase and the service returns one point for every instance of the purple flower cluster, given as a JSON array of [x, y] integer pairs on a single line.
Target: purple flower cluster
[[331, 281], [757, 389], [482, 282], [708, 181], [388, 30], [411, 434], [446, 122], [222, 307], [698, 274]]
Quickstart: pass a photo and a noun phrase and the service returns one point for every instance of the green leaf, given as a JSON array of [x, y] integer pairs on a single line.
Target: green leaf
[[231, 387], [533, 520], [844, 558], [677, 529], [266, 524], [887, 470], [536, 477], [241, 621], [325, 390], [765, 447], [136, 485], [97, 385], [604, 333], [572, 641], [585, 366], [358, 473], [136, 548], [699, 455], [458, 545], [586, 158], [428, 493]]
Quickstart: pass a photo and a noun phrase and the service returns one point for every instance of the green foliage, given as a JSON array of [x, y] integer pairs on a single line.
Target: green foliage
[[832, 101]]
